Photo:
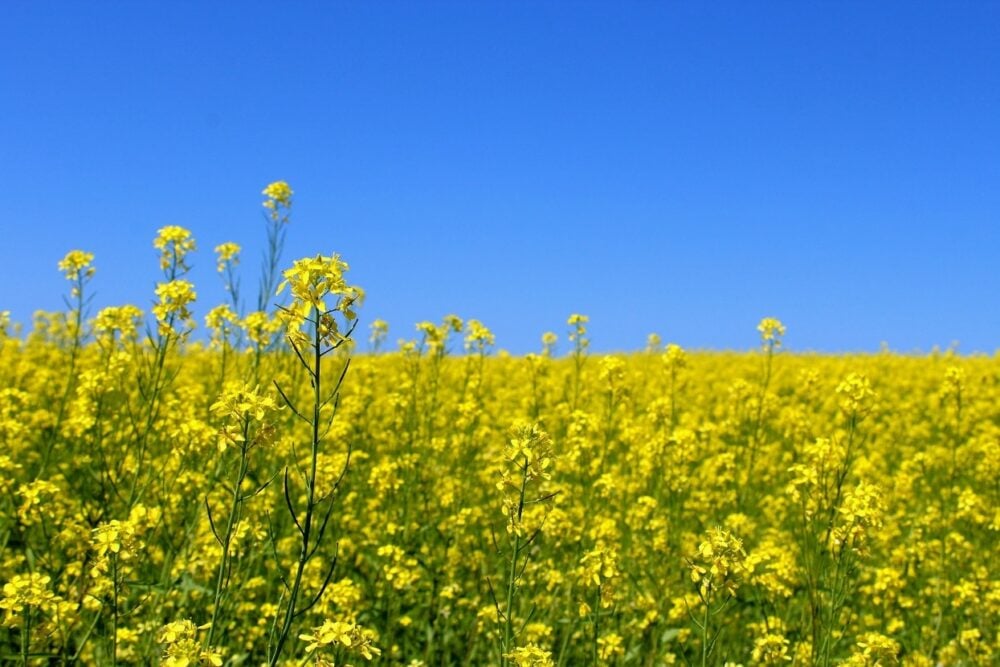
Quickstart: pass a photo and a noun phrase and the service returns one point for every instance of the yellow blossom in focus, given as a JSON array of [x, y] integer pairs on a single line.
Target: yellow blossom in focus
[[771, 649], [26, 590], [720, 563], [182, 649], [350, 636], [530, 656]]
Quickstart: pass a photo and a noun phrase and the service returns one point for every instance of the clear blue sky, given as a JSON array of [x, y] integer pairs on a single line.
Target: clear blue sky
[[684, 168]]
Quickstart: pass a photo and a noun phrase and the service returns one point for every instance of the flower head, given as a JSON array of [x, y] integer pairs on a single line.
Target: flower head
[[175, 244], [477, 337], [318, 284], [175, 297], [856, 395], [123, 320], [278, 202], [341, 634], [227, 253], [771, 330], [76, 265], [720, 563]]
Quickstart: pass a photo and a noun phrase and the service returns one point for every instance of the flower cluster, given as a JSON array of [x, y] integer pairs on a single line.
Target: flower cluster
[[181, 647], [319, 291], [227, 254], [856, 395], [720, 563], [528, 460], [340, 634], [771, 330], [77, 265], [173, 307], [175, 244], [279, 196]]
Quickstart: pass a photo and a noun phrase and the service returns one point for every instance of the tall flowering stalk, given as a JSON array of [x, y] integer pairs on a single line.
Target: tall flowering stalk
[[434, 341], [248, 426], [674, 361], [78, 268], [22, 596], [771, 330], [527, 467], [277, 211], [598, 575], [578, 337], [227, 259], [173, 323], [320, 320], [834, 522], [718, 570]]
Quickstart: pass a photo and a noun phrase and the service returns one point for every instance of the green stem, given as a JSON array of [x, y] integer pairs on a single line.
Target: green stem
[[306, 529], [597, 625], [508, 634], [758, 420], [26, 634], [114, 611], [234, 511], [704, 633], [151, 411]]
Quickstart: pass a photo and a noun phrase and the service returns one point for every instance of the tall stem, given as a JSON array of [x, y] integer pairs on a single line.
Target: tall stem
[[597, 626], [508, 633], [234, 511], [306, 530], [114, 610], [706, 615], [26, 634]]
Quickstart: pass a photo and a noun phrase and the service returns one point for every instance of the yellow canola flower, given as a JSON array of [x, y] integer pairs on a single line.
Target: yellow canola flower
[[220, 319], [771, 330], [771, 649], [478, 337], [260, 327], [241, 401], [123, 320], [76, 265], [26, 590], [175, 243], [378, 329], [351, 636], [856, 395], [599, 566], [181, 647], [279, 194], [720, 564], [530, 656], [227, 253], [175, 297], [549, 340], [312, 280]]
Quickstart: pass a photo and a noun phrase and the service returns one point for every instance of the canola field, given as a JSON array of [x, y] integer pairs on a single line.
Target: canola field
[[281, 485]]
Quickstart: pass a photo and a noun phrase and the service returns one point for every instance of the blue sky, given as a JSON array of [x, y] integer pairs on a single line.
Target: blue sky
[[684, 168]]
